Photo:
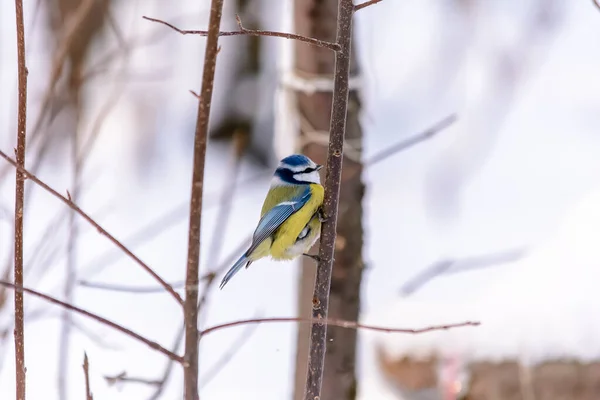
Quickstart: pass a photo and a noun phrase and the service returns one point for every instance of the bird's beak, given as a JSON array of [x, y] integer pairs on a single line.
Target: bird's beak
[[319, 166]]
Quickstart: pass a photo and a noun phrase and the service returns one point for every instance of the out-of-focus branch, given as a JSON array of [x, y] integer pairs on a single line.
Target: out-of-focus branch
[[411, 141], [86, 373], [19, 332], [70, 34], [450, 266], [336, 322], [102, 231], [233, 349], [114, 325], [596, 3], [251, 32]]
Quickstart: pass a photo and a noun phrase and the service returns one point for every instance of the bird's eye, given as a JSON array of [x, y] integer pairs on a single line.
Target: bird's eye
[[305, 171]]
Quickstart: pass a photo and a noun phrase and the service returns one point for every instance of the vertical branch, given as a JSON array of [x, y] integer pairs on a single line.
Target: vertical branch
[[332, 192], [19, 200], [190, 365], [86, 373]]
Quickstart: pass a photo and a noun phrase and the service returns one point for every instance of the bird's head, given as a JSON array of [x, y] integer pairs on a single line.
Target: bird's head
[[296, 169]]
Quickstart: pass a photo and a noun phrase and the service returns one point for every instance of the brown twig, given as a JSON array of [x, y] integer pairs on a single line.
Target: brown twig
[[333, 175], [251, 32], [336, 322], [89, 219], [19, 202], [114, 325], [190, 365], [596, 3], [366, 4], [122, 377], [86, 374]]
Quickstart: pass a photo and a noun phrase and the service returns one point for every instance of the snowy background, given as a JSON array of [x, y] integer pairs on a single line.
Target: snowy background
[[522, 155]]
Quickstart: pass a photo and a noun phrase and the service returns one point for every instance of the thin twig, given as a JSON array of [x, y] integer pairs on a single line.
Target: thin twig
[[19, 203], [122, 377], [333, 176], [114, 325], [411, 141], [596, 3], [89, 219], [233, 349], [366, 4], [251, 32], [336, 322], [190, 316], [451, 266], [86, 373]]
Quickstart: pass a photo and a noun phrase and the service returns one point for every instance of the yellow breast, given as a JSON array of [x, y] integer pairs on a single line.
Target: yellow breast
[[285, 237]]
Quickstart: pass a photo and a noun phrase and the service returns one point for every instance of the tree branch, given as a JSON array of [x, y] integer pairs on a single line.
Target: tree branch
[[114, 325], [86, 373], [19, 332], [366, 4], [252, 32], [67, 200], [336, 322], [411, 141], [449, 266], [337, 130], [190, 365]]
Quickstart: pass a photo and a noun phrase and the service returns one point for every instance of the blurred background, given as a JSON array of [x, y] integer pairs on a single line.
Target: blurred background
[[470, 192]]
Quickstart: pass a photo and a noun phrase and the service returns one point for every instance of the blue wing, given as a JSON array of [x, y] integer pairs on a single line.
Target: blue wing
[[276, 216]]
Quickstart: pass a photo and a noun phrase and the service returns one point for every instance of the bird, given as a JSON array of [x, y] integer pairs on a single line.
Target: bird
[[291, 215]]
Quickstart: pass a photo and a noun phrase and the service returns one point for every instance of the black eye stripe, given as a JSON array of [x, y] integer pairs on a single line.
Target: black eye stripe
[[305, 171]]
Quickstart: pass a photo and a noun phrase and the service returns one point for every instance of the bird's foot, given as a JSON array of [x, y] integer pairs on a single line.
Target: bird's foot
[[321, 215], [313, 256]]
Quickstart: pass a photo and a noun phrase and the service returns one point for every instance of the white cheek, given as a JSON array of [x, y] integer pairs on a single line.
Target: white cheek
[[309, 177]]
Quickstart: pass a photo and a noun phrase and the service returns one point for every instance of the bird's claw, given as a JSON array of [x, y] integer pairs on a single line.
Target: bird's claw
[[321, 215]]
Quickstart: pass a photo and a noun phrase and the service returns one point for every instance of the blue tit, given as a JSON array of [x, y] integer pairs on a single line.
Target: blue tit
[[291, 215]]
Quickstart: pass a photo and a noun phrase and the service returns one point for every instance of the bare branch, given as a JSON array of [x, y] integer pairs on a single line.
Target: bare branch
[[190, 315], [232, 351], [252, 32], [114, 325], [336, 322], [450, 266], [596, 3], [333, 177], [86, 373], [122, 377], [19, 332], [366, 4], [411, 141], [89, 219]]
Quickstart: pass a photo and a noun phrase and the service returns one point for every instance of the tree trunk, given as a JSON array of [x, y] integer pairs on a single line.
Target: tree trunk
[[317, 19]]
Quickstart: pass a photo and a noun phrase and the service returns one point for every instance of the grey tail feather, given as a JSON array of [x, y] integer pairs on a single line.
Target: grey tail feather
[[234, 270]]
